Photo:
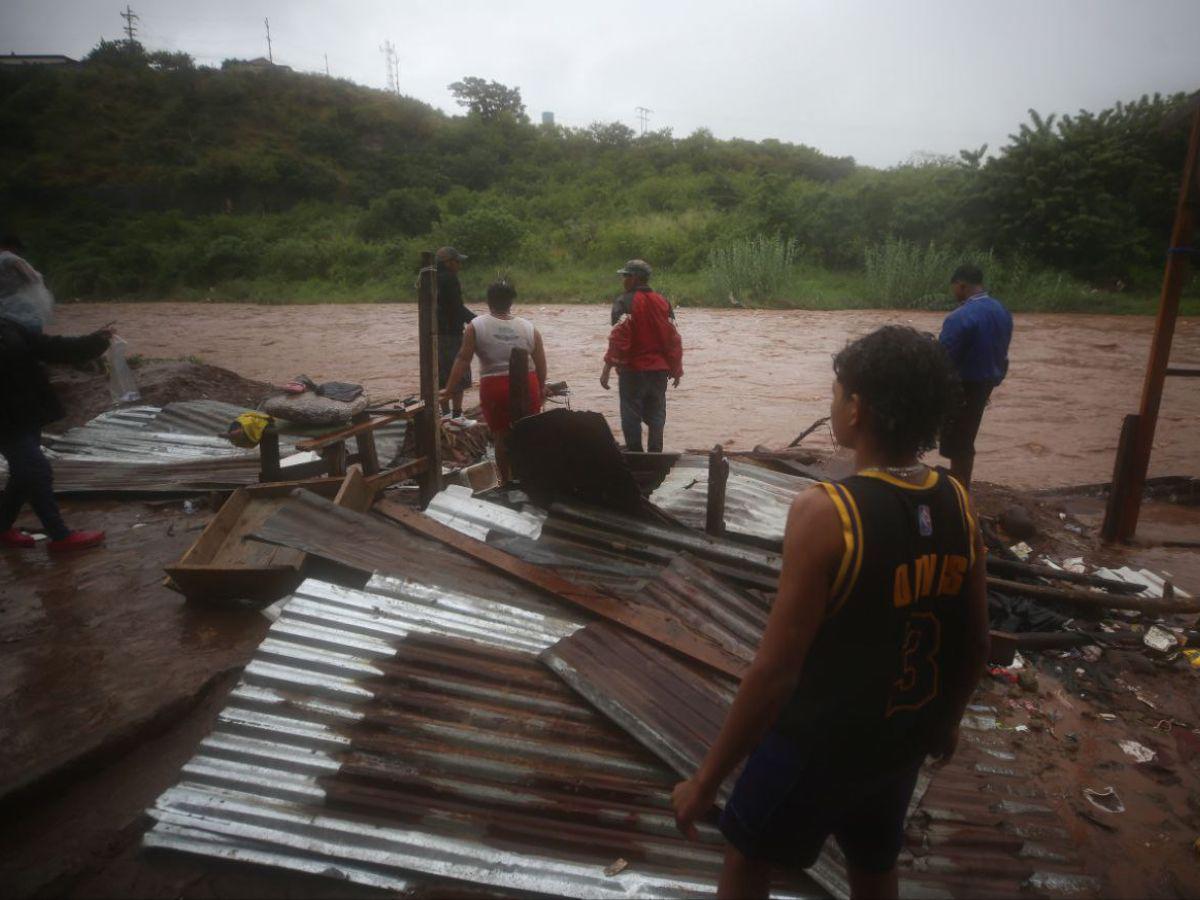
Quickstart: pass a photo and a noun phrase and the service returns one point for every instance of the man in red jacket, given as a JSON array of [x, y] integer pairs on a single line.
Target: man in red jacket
[[645, 348]]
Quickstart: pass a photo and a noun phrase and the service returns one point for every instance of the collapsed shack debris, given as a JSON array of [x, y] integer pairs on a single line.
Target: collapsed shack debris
[[409, 728]]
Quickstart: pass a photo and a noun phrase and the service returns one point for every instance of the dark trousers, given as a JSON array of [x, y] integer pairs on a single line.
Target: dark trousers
[[643, 399], [962, 427], [29, 479]]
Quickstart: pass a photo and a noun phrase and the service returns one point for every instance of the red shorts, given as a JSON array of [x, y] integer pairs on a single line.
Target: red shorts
[[493, 397]]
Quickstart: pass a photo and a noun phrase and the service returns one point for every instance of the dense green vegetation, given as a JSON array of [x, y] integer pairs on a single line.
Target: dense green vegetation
[[139, 175]]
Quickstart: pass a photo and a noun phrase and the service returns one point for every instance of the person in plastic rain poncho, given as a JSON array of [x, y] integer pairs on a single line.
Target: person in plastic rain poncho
[[28, 403]]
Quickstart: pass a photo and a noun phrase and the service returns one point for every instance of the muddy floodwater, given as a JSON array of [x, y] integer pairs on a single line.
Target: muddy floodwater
[[751, 377]]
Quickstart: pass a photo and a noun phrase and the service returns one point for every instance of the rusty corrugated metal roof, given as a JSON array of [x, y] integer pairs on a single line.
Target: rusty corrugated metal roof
[[977, 828], [409, 729]]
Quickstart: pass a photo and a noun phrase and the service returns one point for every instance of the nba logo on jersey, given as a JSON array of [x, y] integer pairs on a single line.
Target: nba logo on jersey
[[924, 521]]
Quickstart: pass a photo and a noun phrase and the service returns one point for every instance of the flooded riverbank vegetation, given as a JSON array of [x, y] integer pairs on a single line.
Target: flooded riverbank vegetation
[[141, 176]]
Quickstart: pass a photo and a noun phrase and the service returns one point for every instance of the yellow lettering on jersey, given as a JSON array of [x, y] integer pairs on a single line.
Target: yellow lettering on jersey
[[953, 572], [926, 566], [902, 590]]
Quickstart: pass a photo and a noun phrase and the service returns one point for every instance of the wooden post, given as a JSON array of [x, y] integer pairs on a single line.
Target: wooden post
[[268, 455], [718, 476], [519, 401], [364, 442], [1118, 491], [1122, 518], [428, 424]]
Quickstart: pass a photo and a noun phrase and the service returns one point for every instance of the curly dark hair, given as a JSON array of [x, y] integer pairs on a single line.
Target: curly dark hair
[[906, 383]]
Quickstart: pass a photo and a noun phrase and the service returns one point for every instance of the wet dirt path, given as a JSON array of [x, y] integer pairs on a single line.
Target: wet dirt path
[[752, 376]]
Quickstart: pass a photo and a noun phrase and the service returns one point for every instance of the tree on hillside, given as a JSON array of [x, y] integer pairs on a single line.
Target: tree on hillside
[[488, 99]]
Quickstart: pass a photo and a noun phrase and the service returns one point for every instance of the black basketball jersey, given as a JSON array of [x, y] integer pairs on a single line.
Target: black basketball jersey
[[872, 691]]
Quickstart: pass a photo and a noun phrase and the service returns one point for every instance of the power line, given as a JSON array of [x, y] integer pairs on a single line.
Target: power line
[[643, 116], [131, 18], [270, 54]]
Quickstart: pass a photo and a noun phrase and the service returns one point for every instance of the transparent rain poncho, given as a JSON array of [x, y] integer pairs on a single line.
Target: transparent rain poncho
[[24, 297]]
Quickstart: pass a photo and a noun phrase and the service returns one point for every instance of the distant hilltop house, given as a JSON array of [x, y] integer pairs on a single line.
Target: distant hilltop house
[[259, 64], [37, 59]]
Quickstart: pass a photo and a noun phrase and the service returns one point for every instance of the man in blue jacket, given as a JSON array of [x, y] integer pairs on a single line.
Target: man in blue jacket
[[976, 336]]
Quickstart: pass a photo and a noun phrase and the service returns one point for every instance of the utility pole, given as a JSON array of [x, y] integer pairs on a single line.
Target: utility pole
[[270, 54], [326, 65], [388, 49], [131, 18], [643, 116]]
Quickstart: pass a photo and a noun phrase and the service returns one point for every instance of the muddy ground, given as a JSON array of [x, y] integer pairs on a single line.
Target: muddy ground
[[108, 680]]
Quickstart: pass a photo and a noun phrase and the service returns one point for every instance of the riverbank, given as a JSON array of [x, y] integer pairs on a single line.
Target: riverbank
[[804, 289]]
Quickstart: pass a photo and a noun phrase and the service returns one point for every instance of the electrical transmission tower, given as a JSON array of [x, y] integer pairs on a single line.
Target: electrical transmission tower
[[388, 49], [643, 116], [270, 54], [131, 19]]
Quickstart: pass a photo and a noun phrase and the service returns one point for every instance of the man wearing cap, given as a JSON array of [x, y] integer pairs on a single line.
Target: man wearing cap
[[452, 316], [645, 348]]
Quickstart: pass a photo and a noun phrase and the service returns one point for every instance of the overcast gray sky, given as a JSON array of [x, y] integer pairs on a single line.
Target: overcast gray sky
[[866, 78]]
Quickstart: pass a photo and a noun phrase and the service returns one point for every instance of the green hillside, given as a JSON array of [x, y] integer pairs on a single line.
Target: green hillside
[[139, 175]]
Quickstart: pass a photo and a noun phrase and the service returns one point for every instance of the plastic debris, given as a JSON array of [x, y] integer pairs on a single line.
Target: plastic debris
[[1106, 717], [1193, 656], [1105, 799], [1091, 653], [1021, 551], [619, 866], [1160, 639], [1139, 752]]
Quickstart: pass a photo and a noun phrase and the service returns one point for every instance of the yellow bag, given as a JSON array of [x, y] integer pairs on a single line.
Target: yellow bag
[[247, 429]]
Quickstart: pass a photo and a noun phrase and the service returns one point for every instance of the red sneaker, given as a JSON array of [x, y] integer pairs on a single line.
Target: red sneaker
[[77, 540], [16, 539]]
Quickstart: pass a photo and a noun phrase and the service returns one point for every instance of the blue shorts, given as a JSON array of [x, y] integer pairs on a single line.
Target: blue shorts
[[782, 810]]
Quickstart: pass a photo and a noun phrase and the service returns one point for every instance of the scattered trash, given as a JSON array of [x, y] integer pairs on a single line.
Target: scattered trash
[[1139, 752], [1091, 653], [1021, 729], [1105, 799], [1158, 638], [1028, 680], [1106, 717], [1021, 551], [617, 867], [1075, 564], [1017, 523], [1192, 655], [191, 507]]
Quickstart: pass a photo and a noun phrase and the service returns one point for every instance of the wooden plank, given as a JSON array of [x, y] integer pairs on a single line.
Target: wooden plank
[[268, 455], [335, 458], [1184, 371], [718, 478], [355, 493], [649, 622], [997, 566], [404, 472], [360, 428], [1104, 600], [429, 423]]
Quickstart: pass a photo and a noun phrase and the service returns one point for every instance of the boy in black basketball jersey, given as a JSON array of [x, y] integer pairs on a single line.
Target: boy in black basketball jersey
[[876, 639]]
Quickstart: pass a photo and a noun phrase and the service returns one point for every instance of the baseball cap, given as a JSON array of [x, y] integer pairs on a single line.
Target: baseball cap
[[636, 267], [449, 253]]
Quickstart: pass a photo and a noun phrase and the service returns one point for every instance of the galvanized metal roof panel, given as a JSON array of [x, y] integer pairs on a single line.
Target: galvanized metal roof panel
[[409, 729], [756, 499], [976, 827]]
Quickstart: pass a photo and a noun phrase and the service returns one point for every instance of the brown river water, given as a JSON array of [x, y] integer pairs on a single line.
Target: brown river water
[[752, 376]]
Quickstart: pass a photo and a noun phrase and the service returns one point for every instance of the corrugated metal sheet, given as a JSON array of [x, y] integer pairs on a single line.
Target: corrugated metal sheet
[[457, 507], [756, 499], [976, 829], [408, 729]]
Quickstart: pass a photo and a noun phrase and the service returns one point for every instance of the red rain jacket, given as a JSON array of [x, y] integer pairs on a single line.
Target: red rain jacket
[[646, 340]]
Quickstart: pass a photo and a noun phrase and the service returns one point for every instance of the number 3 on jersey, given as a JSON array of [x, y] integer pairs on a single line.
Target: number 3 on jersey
[[917, 681]]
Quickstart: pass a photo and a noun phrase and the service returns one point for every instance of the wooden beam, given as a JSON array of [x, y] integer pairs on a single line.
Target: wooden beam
[[268, 455], [718, 478], [359, 428], [647, 621], [998, 566], [386, 479], [1160, 606], [1184, 371], [1183, 236], [429, 423]]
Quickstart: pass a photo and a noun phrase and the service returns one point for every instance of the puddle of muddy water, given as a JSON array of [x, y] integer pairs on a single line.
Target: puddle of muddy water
[[752, 376]]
